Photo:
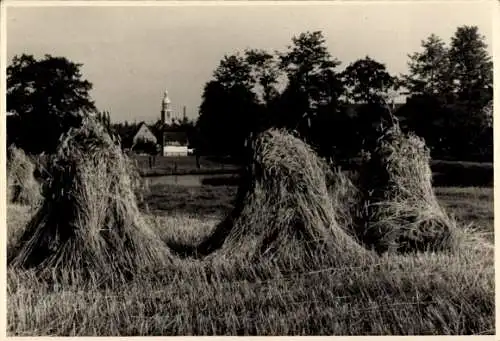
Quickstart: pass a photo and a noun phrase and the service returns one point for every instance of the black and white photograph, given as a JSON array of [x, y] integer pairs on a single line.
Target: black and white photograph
[[248, 168]]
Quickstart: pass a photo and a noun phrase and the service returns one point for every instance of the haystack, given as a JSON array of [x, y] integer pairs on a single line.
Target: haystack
[[89, 220], [346, 199], [282, 208], [22, 187], [140, 185], [401, 210]]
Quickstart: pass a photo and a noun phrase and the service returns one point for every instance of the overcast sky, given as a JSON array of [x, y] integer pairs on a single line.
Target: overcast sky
[[132, 54]]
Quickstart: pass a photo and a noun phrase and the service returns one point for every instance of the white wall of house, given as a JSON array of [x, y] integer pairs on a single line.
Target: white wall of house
[[175, 151]]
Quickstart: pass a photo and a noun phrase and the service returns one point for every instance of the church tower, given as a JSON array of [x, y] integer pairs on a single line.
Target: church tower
[[166, 110]]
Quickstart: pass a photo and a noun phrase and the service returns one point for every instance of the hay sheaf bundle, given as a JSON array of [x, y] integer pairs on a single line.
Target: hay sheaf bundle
[[22, 187], [140, 185], [402, 212], [90, 220], [282, 207], [346, 199]]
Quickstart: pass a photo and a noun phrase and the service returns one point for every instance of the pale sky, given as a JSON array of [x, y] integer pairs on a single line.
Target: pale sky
[[132, 54]]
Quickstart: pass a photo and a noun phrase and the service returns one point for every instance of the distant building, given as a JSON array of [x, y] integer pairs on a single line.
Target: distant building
[[173, 143], [143, 134]]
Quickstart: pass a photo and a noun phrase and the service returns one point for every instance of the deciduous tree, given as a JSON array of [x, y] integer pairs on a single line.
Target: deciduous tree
[[367, 81], [429, 69], [49, 95]]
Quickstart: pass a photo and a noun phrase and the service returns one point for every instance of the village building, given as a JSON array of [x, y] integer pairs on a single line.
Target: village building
[[173, 142], [143, 136]]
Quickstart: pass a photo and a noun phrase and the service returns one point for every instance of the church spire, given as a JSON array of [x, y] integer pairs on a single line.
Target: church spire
[[166, 111]]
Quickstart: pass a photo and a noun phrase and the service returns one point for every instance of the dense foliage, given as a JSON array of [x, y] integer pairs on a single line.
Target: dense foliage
[[448, 91], [47, 96]]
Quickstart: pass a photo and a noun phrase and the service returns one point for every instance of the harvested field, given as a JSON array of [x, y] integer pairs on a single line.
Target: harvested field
[[334, 287], [438, 297]]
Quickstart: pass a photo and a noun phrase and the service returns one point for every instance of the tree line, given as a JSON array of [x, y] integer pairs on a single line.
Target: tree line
[[448, 89]]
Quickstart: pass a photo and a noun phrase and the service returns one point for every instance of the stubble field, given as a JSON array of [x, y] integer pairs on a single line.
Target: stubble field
[[426, 293]]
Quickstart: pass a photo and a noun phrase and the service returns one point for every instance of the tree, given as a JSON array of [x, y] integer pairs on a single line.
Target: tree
[[312, 80], [229, 110], [429, 70], [430, 86], [367, 81], [125, 131], [49, 95], [449, 89], [369, 86], [310, 67], [429, 117], [470, 132], [227, 116], [265, 73], [233, 70], [472, 67]]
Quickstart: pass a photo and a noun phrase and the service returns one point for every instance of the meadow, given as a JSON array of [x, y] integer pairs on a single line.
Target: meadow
[[335, 287]]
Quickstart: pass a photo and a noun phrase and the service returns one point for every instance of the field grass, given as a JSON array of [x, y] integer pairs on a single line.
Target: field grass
[[420, 294], [470, 205], [192, 200]]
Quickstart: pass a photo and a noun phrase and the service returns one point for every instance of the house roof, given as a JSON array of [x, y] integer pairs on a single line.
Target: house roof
[[143, 131], [139, 126], [178, 137]]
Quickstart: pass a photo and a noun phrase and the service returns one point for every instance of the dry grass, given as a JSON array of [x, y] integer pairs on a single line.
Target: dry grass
[[416, 294], [18, 217], [471, 206], [22, 187], [139, 185], [89, 221], [421, 294], [346, 199], [401, 209]]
